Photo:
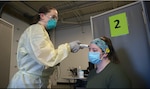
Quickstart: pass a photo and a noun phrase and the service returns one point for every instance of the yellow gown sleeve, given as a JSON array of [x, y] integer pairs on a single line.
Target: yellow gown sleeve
[[44, 50]]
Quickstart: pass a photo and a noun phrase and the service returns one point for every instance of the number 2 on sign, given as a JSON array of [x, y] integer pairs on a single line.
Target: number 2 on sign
[[117, 24]]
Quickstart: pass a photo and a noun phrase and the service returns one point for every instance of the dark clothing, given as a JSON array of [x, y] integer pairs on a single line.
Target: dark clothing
[[111, 76]]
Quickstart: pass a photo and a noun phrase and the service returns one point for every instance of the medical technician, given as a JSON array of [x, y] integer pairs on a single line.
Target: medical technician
[[36, 55]]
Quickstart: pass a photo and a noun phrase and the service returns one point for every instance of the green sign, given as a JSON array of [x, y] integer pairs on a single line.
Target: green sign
[[118, 25]]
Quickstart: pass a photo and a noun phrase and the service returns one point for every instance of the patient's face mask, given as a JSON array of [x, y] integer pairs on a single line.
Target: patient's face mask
[[94, 57], [51, 24]]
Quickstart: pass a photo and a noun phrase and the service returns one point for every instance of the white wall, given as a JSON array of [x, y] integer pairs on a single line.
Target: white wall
[[19, 27], [68, 34]]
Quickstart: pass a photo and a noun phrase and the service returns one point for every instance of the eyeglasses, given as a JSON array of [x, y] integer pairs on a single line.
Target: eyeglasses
[[53, 17]]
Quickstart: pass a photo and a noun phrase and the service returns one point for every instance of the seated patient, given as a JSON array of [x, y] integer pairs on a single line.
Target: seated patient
[[108, 73]]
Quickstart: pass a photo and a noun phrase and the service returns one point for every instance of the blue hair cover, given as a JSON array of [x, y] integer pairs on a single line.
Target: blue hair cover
[[101, 44]]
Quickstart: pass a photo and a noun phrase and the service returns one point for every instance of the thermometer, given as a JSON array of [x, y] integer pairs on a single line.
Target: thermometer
[[84, 46]]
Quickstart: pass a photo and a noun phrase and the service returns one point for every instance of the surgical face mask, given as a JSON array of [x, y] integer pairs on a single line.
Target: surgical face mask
[[94, 57], [51, 24]]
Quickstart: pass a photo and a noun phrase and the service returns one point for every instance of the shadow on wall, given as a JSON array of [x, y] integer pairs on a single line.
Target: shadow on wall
[[126, 63]]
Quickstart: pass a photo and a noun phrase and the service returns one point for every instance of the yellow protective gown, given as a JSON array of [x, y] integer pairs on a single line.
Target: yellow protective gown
[[36, 58]]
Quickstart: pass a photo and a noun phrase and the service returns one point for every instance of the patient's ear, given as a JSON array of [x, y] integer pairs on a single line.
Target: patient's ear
[[105, 55]]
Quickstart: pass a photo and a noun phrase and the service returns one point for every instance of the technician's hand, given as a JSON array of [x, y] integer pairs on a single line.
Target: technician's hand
[[75, 46]]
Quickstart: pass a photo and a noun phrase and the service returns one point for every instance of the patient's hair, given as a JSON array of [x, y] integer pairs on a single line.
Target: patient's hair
[[112, 54]]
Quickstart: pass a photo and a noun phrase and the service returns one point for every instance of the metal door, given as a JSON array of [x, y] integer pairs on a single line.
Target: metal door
[[6, 33]]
